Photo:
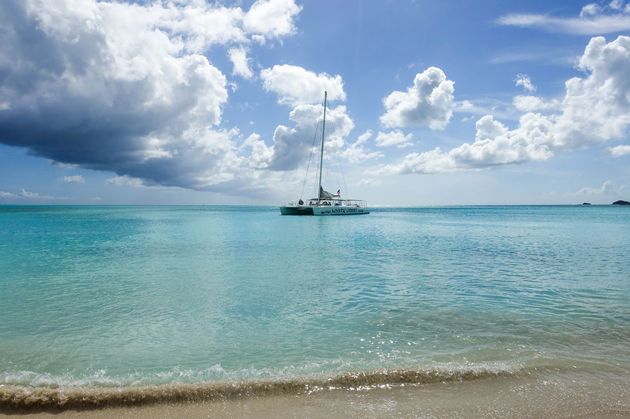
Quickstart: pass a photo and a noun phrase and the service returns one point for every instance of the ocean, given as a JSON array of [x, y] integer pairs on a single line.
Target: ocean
[[107, 304]]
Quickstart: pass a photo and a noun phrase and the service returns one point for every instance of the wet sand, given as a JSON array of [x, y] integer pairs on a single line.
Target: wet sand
[[557, 396]]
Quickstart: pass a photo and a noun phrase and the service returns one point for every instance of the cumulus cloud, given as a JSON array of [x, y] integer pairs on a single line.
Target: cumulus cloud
[[260, 154], [124, 87], [488, 128], [292, 145], [595, 109], [525, 81], [593, 20], [74, 179], [303, 90], [356, 152], [238, 56], [618, 151], [271, 18], [429, 102], [295, 85], [393, 138]]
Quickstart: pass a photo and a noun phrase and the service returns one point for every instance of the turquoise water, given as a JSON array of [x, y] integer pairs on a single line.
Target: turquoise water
[[133, 296]]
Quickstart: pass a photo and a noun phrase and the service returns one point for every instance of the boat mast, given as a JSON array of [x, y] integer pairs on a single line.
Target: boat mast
[[321, 156]]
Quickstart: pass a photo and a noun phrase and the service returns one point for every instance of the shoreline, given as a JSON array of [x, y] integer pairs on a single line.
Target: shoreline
[[30, 398], [560, 395]]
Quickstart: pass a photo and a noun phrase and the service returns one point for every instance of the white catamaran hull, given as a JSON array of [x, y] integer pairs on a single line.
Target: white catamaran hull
[[323, 210], [339, 211]]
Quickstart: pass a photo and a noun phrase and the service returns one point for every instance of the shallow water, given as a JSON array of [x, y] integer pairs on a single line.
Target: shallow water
[[121, 297]]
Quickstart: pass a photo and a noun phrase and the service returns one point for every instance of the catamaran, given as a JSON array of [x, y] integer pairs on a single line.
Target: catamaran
[[326, 203]]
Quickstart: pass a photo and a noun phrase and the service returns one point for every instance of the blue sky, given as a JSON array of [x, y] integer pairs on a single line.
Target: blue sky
[[431, 103]]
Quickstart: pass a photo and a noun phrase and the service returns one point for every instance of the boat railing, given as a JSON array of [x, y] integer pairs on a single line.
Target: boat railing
[[334, 202]]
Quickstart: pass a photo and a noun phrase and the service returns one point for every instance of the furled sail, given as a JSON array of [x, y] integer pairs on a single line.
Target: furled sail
[[326, 195]]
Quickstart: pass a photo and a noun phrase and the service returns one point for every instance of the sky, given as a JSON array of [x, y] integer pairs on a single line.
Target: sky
[[220, 102]]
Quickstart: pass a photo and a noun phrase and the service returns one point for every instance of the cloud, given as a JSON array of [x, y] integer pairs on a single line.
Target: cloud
[[618, 151], [271, 18], [27, 195], [125, 181], [393, 138], [525, 81], [295, 85], [356, 153], [62, 165], [594, 110], [485, 106], [547, 54], [24, 194], [292, 145], [124, 87], [616, 4], [238, 56], [4, 194], [74, 179], [607, 188], [429, 102], [591, 9], [534, 103], [260, 155], [593, 20]]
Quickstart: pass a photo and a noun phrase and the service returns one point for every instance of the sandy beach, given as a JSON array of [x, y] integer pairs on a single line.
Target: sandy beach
[[559, 396]]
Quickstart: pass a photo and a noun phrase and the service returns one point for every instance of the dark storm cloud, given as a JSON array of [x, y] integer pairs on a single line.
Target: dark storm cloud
[[123, 87]]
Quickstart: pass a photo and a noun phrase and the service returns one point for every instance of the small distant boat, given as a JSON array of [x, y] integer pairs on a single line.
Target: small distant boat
[[326, 203]]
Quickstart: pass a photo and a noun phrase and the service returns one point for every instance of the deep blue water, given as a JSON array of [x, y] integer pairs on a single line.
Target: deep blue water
[[119, 296]]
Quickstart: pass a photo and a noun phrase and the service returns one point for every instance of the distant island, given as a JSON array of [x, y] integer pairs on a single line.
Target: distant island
[[620, 202], [586, 203]]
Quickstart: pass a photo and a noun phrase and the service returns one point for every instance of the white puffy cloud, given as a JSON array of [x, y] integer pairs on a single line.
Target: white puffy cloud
[[356, 153], [74, 179], [303, 90], [525, 81], [295, 85], [271, 18], [291, 145], [238, 56], [595, 109], [260, 154], [488, 128], [124, 87], [618, 151], [429, 102], [393, 138]]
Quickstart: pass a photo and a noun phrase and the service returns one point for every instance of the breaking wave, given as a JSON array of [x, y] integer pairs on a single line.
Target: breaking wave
[[21, 397]]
